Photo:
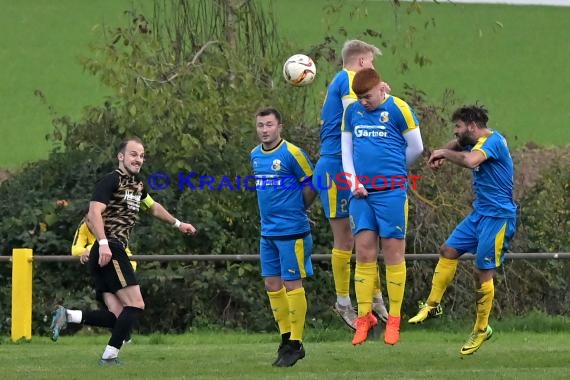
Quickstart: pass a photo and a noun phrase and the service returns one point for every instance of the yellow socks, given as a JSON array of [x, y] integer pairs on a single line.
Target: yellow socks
[[442, 277], [396, 284], [289, 310], [484, 297], [365, 279], [341, 271], [377, 293], [280, 307], [297, 312]]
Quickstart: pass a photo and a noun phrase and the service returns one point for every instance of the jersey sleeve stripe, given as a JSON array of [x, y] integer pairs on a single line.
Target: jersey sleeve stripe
[[406, 113], [351, 94], [479, 146], [301, 160]]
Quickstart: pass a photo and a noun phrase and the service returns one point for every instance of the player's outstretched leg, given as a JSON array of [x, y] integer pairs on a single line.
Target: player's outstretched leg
[[58, 322], [379, 308], [341, 274], [347, 314], [426, 311], [476, 340]]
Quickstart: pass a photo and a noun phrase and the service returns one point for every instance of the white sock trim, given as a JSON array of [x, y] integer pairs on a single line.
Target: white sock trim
[[378, 298], [110, 352], [74, 316], [343, 300]]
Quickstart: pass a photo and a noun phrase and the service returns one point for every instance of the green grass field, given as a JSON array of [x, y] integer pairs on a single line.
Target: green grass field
[[518, 70], [421, 354]]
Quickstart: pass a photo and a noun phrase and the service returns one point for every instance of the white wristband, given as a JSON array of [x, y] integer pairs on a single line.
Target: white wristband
[[176, 224], [103, 242]]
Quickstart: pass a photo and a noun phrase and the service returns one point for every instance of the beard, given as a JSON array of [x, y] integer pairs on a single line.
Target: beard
[[465, 140], [132, 172]]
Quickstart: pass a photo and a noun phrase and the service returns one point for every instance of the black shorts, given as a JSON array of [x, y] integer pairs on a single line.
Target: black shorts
[[117, 274]]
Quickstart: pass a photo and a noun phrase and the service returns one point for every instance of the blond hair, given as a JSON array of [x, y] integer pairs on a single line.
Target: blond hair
[[355, 48]]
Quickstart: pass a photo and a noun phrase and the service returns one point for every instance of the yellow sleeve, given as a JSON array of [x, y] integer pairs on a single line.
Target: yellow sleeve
[[410, 118], [479, 146], [146, 203], [302, 161], [83, 239]]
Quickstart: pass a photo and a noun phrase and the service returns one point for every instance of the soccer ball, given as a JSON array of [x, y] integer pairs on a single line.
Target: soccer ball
[[299, 70]]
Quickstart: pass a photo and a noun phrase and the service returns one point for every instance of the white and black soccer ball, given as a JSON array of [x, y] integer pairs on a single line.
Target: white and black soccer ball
[[299, 70]]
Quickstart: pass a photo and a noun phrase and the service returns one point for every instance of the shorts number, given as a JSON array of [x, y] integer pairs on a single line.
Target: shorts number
[[344, 205]]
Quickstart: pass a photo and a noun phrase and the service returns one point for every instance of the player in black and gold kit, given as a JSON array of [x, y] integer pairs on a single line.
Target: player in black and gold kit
[[113, 212]]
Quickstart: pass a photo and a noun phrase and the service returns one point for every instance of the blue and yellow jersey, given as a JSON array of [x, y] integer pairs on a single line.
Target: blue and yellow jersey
[[331, 113], [279, 174], [379, 147], [493, 179]]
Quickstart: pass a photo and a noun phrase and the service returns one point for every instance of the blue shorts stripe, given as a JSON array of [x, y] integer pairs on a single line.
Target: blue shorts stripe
[[288, 259], [334, 195]]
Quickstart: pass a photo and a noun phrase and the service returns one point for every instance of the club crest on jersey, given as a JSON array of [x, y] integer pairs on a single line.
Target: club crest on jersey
[[384, 117], [276, 166]]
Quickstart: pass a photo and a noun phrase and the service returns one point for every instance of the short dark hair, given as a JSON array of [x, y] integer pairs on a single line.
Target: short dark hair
[[477, 114], [126, 141], [266, 111], [365, 80]]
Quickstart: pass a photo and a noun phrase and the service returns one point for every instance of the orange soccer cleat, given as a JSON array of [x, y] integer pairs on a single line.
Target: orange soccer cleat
[[363, 325], [392, 333]]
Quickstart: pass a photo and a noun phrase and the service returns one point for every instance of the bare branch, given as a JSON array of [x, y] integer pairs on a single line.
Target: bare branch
[[148, 82]]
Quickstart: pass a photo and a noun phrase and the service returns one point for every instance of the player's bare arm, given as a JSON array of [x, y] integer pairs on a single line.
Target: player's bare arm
[[97, 227], [468, 160], [309, 194], [453, 145], [159, 212], [436, 164]]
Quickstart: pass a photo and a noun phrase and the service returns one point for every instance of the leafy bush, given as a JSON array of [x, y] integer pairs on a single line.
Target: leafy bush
[[189, 87]]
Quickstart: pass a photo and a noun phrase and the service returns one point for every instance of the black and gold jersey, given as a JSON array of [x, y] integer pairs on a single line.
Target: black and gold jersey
[[124, 195]]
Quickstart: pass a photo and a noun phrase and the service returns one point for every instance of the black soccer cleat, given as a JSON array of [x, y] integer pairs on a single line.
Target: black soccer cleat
[[293, 351]]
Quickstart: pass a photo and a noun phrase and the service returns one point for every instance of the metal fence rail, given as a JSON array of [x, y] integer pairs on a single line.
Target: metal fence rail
[[23, 259], [315, 257]]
